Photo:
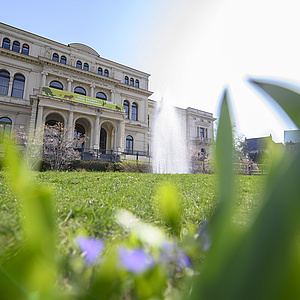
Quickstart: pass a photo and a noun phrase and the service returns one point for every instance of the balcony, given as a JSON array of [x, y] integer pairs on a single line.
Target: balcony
[[202, 139]]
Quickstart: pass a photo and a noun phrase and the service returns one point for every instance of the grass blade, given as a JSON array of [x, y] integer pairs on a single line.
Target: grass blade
[[288, 100]]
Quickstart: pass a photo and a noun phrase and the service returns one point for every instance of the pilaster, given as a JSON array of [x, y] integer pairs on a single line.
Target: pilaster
[[97, 132], [70, 84], [44, 77]]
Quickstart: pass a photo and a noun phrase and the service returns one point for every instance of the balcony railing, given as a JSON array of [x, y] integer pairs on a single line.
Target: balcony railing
[[202, 139]]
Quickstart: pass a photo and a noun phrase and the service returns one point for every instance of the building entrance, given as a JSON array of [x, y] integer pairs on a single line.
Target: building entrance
[[103, 140]]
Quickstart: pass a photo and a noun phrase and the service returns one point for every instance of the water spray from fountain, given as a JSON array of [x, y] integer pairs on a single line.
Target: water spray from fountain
[[169, 153]]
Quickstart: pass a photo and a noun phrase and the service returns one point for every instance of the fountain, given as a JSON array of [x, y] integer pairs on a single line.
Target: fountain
[[168, 141]]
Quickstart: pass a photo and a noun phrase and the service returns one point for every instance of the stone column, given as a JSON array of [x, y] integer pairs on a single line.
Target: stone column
[[70, 126], [44, 76], [129, 112], [39, 123], [145, 111], [10, 85], [70, 84], [113, 144], [112, 96], [97, 133], [32, 116], [92, 91], [90, 141], [73, 61], [121, 135]]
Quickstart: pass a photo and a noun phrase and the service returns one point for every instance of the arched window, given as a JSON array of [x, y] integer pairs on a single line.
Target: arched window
[[18, 86], [101, 96], [55, 57], [4, 82], [63, 59], [80, 90], [16, 46], [25, 49], [100, 71], [5, 126], [134, 111], [129, 144], [79, 64], [131, 82], [56, 84], [86, 66], [126, 80], [137, 83], [6, 43], [106, 73], [52, 123], [126, 108]]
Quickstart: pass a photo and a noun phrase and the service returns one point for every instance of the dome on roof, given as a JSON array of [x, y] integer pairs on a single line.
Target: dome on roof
[[84, 48]]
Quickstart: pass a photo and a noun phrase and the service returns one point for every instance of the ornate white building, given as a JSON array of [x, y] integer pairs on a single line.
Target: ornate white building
[[44, 82]]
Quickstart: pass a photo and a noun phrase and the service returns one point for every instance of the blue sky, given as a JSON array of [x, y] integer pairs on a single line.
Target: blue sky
[[194, 47]]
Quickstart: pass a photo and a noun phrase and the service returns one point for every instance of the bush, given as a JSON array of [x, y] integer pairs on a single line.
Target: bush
[[134, 166], [85, 165], [102, 166]]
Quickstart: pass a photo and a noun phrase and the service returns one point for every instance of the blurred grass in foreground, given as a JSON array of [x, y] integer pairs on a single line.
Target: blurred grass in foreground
[[260, 261], [257, 261]]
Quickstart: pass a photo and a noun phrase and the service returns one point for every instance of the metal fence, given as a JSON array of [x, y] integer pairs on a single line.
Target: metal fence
[[251, 168], [111, 155]]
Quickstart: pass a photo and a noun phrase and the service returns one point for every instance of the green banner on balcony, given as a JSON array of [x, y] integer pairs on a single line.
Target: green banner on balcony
[[80, 99]]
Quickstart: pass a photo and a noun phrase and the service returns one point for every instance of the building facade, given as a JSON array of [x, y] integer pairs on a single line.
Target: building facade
[[45, 82], [292, 136], [197, 127]]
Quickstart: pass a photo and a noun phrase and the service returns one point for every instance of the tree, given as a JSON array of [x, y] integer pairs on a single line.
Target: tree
[[60, 146], [56, 145]]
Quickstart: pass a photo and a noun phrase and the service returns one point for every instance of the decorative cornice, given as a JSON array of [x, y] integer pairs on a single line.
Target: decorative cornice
[[6, 100], [136, 124], [134, 89], [18, 56]]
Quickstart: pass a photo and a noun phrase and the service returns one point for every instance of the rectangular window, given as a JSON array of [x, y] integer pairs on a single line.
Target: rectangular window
[[201, 132]]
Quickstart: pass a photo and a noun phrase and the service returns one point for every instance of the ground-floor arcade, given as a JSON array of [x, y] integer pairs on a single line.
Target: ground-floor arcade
[[104, 130]]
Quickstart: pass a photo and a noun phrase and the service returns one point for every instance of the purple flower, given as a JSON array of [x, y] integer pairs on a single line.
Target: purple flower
[[171, 254], [135, 261], [184, 261], [91, 248]]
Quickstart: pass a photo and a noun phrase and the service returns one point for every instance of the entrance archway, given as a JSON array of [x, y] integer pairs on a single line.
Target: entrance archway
[[53, 119], [82, 132], [54, 131], [79, 133], [103, 140], [107, 136]]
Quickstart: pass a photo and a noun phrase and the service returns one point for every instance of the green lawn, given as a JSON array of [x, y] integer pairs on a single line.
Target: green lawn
[[88, 201]]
